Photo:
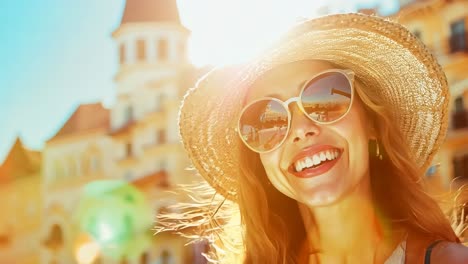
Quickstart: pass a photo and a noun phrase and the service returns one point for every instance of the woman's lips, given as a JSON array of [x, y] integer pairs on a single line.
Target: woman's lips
[[318, 170]]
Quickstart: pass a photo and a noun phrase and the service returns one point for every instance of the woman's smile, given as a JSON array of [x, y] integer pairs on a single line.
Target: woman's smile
[[314, 160]]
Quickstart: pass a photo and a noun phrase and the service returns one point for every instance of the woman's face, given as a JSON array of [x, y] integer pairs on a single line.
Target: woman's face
[[347, 139]]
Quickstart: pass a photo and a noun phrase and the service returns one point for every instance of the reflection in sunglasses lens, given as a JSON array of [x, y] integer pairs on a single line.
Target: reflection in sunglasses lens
[[327, 97], [264, 124]]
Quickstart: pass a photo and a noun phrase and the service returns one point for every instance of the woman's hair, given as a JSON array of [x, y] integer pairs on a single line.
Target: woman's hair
[[274, 231]]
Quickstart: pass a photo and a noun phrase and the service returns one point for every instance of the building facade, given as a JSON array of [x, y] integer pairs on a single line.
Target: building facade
[[20, 187], [135, 140]]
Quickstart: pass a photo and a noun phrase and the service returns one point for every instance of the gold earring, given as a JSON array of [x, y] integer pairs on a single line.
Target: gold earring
[[378, 154], [374, 149]]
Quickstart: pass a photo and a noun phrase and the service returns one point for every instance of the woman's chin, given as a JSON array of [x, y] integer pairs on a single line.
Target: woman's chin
[[321, 195], [319, 199]]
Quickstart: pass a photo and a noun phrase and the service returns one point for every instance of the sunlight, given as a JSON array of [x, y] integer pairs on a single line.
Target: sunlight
[[226, 31], [86, 249]]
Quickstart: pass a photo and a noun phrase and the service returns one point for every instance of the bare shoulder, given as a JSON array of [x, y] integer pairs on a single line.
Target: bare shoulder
[[449, 252]]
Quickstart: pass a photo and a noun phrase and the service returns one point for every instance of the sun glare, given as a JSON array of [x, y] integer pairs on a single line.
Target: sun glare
[[86, 249], [227, 32]]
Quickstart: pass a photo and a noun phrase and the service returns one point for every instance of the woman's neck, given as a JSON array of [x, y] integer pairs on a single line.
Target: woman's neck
[[348, 231]]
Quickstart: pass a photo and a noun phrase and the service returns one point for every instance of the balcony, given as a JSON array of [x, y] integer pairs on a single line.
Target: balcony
[[458, 42]]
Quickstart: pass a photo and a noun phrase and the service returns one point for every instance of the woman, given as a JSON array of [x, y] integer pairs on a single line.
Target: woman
[[322, 142]]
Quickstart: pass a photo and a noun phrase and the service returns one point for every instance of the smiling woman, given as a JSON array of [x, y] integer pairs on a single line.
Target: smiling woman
[[330, 172]]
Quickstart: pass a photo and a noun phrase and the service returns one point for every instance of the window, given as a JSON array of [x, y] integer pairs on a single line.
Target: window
[[460, 167], [459, 104], [94, 163], [161, 136], [162, 49], [144, 259], [459, 116], [55, 239], [128, 149], [140, 45], [458, 36], [128, 113], [122, 53], [165, 257]]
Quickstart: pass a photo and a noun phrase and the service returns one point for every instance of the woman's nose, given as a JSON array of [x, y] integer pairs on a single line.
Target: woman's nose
[[301, 126]]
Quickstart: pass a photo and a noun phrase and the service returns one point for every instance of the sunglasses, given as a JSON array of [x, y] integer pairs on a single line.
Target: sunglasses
[[325, 99]]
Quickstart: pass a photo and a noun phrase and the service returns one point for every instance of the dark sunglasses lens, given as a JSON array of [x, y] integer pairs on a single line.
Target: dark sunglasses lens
[[327, 97], [263, 125]]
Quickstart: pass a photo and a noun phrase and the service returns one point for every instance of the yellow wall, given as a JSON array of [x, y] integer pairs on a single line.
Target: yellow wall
[[21, 219]]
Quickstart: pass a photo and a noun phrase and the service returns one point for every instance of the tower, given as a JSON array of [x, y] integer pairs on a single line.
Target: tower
[[152, 53], [153, 68]]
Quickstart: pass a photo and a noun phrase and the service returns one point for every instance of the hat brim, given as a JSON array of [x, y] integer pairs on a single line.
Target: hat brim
[[384, 55]]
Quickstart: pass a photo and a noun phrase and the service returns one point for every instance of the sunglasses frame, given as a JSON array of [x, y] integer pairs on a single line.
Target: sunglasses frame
[[349, 74]]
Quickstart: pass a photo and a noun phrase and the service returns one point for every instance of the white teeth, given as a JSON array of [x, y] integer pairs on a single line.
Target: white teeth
[[323, 157], [298, 167], [316, 159]]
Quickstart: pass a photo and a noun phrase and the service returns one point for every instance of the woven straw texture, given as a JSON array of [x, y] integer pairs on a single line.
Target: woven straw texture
[[385, 56]]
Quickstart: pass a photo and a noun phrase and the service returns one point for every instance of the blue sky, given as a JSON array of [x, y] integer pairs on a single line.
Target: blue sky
[[56, 54]]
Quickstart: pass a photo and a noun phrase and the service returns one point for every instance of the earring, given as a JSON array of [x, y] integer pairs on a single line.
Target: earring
[[374, 149]]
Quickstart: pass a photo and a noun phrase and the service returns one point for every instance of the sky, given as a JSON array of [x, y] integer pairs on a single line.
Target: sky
[[55, 55]]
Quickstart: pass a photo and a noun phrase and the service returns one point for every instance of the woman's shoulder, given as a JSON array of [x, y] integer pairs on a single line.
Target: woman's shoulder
[[449, 252]]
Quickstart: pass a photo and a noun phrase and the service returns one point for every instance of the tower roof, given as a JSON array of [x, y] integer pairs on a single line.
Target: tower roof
[[19, 162], [150, 11]]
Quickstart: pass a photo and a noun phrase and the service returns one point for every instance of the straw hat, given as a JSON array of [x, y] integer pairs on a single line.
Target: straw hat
[[384, 55]]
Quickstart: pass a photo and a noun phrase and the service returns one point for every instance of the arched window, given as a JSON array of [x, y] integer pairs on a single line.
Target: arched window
[[55, 239], [163, 51], [144, 259], [165, 258]]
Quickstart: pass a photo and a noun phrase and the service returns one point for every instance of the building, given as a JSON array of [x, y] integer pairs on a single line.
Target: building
[[443, 26], [20, 181], [135, 140]]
